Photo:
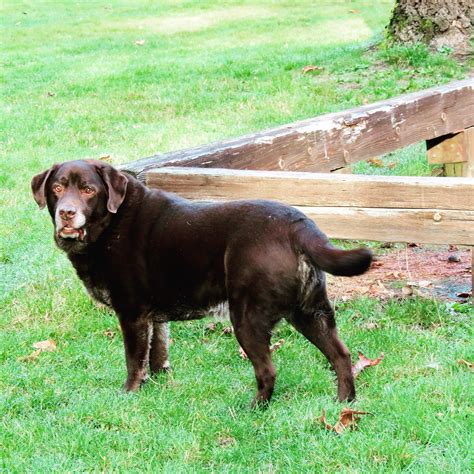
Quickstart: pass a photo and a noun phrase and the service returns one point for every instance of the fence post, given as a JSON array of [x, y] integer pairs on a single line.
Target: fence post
[[454, 151]]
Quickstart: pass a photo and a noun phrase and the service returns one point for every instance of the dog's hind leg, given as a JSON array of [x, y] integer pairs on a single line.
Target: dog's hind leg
[[318, 325], [254, 338], [159, 348]]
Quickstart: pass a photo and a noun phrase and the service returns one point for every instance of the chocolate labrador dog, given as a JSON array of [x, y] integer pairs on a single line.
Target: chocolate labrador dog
[[155, 257]]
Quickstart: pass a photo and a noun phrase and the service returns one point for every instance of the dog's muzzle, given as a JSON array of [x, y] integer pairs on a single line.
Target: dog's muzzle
[[70, 223]]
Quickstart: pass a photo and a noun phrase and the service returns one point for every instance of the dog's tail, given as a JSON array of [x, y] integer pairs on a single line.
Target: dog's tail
[[316, 246]]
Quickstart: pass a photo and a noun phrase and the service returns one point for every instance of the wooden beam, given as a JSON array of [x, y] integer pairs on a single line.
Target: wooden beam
[[317, 189], [428, 226], [332, 141]]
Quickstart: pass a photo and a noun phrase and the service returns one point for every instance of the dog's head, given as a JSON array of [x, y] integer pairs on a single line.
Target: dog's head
[[81, 197]]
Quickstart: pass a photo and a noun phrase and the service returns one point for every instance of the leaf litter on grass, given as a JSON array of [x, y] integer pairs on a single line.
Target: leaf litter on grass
[[348, 418], [364, 362], [41, 346]]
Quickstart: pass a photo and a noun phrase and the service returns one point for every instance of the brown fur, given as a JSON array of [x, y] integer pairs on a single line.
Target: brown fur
[[155, 257]]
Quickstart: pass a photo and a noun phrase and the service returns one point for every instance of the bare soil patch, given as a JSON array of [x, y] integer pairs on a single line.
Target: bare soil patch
[[437, 273]]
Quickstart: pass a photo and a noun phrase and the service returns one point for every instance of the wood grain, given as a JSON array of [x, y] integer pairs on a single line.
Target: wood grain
[[317, 189], [395, 225], [329, 142]]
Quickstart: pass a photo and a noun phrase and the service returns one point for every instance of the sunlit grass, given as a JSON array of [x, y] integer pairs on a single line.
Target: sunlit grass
[[75, 85]]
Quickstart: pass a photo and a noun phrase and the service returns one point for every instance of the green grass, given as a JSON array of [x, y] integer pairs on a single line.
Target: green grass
[[75, 85]]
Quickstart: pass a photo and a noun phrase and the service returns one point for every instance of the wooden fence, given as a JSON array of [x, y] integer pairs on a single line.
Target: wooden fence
[[280, 164]]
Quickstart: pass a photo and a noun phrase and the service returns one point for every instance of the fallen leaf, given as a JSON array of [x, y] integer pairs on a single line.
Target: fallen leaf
[[391, 165], [348, 418], [412, 244], [105, 157], [50, 94], [277, 345], [407, 291], [397, 275], [30, 358], [453, 248], [225, 441], [211, 327], [109, 333], [312, 68], [376, 263], [419, 284], [228, 330], [370, 326], [322, 419], [242, 353], [354, 11], [467, 363], [48, 345], [140, 42], [375, 162], [365, 362]]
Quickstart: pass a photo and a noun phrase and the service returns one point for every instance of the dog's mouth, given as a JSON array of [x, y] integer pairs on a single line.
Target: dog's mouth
[[69, 232]]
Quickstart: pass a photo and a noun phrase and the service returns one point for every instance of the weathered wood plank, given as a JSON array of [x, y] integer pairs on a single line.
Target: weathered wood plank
[[452, 148], [317, 189], [332, 141], [395, 225]]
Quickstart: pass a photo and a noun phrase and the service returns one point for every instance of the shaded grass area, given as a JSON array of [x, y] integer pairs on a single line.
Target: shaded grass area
[[75, 84]]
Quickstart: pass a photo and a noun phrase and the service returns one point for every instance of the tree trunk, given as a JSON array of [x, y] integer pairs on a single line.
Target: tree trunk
[[438, 23]]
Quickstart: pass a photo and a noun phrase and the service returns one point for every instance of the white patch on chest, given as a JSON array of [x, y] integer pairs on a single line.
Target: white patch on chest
[[219, 311]]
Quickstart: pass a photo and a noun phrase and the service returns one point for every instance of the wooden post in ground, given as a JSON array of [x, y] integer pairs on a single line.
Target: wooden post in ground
[[455, 152]]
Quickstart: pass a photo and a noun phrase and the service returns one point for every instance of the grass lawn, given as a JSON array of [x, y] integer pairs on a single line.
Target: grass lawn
[[75, 84]]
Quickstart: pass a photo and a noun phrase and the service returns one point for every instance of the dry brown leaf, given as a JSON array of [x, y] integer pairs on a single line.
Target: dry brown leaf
[[312, 68], [228, 330], [109, 333], [467, 363], [322, 419], [348, 418], [242, 353], [140, 42], [376, 263], [375, 162], [397, 275], [365, 362], [105, 157], [211, 327], [48, 345], [277, 345], [407, 291], [391, 165], [30, 358]]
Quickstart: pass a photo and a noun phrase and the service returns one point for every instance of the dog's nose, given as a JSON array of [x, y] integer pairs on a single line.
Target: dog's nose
[[67, 213]]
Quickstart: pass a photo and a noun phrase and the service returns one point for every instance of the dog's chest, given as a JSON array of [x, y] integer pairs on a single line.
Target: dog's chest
[[92, 275]]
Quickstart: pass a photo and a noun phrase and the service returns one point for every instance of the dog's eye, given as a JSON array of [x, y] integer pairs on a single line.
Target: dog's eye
[[57, 188], [87, 190]]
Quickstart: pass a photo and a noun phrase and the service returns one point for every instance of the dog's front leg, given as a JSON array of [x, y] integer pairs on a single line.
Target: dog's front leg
[[137, 334]]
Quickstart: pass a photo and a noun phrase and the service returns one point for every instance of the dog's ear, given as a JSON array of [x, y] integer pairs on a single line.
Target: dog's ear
[[116, 183], [38, 184]]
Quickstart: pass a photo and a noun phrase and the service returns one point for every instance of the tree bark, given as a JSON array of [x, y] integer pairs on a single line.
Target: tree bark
[[438, 23]]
